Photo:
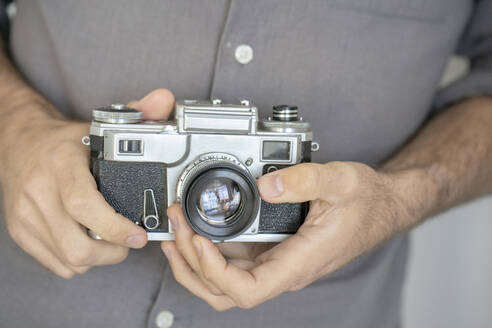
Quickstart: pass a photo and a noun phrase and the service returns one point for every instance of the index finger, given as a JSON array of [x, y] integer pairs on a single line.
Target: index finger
[[87, 206], [278, 270]]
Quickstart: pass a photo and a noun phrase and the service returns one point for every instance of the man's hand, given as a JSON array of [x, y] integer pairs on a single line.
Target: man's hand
[[51, 198], [353, 209]]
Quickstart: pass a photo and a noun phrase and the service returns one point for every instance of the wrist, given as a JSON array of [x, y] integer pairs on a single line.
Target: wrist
[[17, 115], [417, 193], [19, 120]]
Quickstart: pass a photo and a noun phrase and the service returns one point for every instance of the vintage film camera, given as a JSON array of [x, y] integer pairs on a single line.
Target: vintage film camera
[[208, 160]]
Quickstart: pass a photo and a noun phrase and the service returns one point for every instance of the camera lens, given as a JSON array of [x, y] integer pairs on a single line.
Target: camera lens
[[219, 201]]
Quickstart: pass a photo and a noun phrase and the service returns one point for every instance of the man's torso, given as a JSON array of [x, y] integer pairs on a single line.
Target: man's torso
[[362, 72]]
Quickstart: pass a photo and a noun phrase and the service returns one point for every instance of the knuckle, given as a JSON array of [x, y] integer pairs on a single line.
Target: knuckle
[[311, 173], [34, 185], [349, 174], [246, 303], [81, 270], [217, 307], [207, 273], [180, 247], [66, 275], [60, 152], [220, 307], [75, 202], [77, 195], [25, 217], [20, 206], [113, 232], [77, 256], [214, 290]]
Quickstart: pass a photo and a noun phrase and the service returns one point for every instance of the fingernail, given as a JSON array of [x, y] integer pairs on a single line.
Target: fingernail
[[136, 241], [174, 222], [271, 185], [198, 247]]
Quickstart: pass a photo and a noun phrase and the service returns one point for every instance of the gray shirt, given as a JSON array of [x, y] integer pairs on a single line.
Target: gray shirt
[[364, 72]]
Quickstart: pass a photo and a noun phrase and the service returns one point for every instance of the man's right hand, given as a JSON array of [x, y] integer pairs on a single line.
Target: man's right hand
[[51, 198]]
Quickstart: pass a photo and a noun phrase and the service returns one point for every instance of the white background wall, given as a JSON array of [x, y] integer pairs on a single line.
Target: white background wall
[[449, 282]]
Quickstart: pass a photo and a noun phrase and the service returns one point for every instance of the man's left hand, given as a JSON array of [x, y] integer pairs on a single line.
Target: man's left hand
[[353, 209]]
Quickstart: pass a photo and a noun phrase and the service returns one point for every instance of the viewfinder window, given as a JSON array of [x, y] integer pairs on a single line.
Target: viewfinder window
[[131, 147], [276, 150]]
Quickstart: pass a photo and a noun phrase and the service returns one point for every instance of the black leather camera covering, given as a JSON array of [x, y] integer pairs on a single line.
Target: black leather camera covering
[[286, 217], [123, 183], [282, 218]]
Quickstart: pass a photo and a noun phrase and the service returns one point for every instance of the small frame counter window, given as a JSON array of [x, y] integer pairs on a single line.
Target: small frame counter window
[[275, 150]]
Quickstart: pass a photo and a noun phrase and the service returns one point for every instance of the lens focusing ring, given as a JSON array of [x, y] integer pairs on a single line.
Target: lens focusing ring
[[199, 176], [202, 161]]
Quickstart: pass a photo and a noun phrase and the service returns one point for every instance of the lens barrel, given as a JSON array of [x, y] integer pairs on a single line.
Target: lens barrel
[[220, 200]]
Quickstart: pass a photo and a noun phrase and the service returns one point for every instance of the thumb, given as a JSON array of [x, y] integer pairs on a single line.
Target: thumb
[[157, 105], [300, 183]]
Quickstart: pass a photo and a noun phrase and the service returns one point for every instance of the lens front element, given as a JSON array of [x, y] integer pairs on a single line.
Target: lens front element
[[219, 201]]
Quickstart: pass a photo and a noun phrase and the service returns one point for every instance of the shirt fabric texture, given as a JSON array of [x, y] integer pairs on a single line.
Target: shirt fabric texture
[[363, 72]]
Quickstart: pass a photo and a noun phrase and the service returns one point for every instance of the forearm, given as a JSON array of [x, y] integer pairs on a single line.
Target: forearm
[[21, 108], [448, 162], [18, 101]]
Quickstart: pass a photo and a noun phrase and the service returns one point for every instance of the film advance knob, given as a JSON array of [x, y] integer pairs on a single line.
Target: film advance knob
[[285, 113], [117, 114]]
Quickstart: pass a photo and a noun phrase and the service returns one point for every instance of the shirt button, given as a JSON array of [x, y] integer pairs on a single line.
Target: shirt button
[[244, 54], [164, 319]]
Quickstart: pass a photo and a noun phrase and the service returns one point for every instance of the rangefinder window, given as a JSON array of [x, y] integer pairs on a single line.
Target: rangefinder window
[[276, 150], [130, 147]]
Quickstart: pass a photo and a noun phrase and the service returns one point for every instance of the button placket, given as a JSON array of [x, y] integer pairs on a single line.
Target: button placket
[[238, 51], [152, 321]]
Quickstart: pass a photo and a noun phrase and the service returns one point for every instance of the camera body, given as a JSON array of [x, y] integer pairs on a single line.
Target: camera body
[[208, 160]]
